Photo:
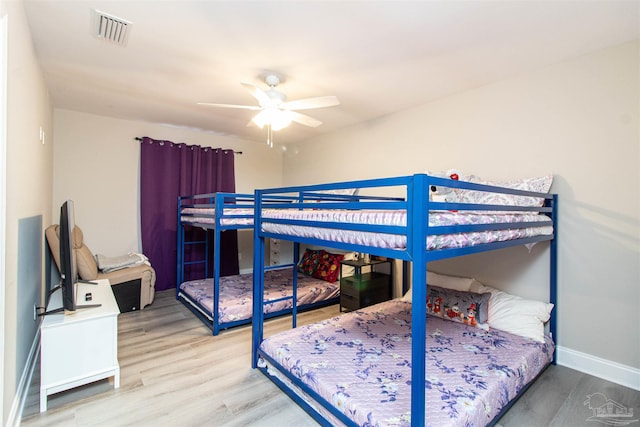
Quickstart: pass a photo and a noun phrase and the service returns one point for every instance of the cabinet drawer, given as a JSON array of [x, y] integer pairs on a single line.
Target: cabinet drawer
[[349, 302], [364, 281], [364, 290]]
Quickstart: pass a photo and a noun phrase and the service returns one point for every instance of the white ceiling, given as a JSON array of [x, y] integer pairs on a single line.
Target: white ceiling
[[377, 57]]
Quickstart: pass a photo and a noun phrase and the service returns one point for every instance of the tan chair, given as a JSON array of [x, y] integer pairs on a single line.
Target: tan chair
[[88, 268]]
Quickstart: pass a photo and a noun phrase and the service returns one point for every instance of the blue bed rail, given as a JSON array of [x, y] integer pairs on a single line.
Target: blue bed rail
[[409, 193]]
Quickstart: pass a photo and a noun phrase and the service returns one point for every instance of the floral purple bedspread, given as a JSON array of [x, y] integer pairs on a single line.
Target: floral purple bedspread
[[236, 293], [361, 363]]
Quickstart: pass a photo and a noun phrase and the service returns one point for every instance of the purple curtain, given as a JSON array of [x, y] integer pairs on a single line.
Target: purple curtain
[[169, 170]]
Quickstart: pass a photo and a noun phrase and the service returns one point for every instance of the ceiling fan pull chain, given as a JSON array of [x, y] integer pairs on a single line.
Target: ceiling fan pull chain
[[269, 136]]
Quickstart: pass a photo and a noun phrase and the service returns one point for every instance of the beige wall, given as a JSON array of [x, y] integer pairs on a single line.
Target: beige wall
[[97, 164], [578, 120], [29, 174]]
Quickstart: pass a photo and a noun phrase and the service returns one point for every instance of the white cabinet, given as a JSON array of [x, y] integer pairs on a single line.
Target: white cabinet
[[82, 347]]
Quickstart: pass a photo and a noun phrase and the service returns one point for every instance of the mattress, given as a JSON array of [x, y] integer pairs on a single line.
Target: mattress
[[208, 216], [360, 362], [399, 218], [381, 217], [236, 293]]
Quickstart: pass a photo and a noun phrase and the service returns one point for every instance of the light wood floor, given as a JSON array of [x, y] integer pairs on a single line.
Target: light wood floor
[[175, 373]]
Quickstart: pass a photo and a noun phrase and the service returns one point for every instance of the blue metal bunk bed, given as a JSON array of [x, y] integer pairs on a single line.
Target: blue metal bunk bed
[[219, 212], [413, 232]]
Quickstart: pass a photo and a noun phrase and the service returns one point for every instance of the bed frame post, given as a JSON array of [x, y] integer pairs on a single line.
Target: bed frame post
[[553, 272], [258, 279], [180, 251], [219, 204], [416, 244], [294, 291]]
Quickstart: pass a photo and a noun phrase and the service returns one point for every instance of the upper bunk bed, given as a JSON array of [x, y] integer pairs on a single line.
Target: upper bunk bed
[[395, 218], [225, 302]]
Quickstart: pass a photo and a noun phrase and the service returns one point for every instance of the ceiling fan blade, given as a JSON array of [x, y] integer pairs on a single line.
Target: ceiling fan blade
[[243, 107], [303, 119], [309, 103], [259, 94]]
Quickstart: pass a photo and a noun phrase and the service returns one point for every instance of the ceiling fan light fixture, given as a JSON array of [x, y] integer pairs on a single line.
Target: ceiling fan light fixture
[[275, 112], [277, 119]]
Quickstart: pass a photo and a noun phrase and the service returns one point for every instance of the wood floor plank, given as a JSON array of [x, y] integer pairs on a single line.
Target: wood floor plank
[[543, 399], [574, 410], [174, 372]]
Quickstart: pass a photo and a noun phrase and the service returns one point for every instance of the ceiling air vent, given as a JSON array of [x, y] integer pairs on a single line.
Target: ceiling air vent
[[110, 28]]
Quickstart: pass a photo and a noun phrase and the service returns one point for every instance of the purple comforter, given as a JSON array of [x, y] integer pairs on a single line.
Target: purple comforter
[[236, 293], [360, 362]]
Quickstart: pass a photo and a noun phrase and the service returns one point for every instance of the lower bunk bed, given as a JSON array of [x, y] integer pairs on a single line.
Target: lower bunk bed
[[403, 363], [358, 365], [235, 306], [223, 302]]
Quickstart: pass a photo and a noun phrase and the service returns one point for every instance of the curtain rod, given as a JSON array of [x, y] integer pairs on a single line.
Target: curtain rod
[[137, 138]]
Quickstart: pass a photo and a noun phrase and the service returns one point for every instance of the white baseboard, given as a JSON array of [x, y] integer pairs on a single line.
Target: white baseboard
[[15, 415], [598, 367]]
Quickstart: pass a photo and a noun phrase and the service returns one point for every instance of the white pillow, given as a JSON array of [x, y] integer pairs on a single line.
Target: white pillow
[[342, 191], [537, 184], [443, 281], [516, 315], [450, 282]]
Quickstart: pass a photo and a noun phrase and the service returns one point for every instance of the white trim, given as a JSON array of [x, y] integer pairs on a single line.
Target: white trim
[[3, 193], [618, 373], [15, 415]]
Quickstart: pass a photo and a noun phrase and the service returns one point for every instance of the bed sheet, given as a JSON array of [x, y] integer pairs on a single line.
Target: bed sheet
[[399, 218], [208, 216], [236, 293], [361, 363], [381, 217]]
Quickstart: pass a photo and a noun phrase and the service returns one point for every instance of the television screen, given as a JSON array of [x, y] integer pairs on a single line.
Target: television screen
[[68, 270]]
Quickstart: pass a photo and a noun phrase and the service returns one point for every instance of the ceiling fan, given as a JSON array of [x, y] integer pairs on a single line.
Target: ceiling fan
[[275, 112]]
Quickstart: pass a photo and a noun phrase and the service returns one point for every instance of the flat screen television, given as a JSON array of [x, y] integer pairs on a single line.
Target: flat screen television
[[68, 270]]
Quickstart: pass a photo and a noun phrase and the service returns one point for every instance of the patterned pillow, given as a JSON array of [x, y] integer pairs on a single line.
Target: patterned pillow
[[328, 268], [309, 261], [539, 185], [459, 306]]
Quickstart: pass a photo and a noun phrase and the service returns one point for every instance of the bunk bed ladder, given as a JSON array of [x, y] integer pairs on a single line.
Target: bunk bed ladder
[[182, 243], [179, 251], [258, 280], [294, 291]]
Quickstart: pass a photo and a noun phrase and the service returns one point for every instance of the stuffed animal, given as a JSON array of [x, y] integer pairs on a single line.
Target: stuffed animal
[[444, 194]]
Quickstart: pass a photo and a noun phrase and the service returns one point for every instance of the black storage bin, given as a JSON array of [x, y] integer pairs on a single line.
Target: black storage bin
[[127, 295]]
